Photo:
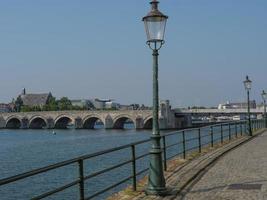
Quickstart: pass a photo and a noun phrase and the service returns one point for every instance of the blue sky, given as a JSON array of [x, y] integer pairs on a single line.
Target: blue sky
[[92, 48]]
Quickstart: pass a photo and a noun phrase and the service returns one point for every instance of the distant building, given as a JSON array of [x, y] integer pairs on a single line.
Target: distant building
[[229, 105], [35, 100], [112, 105], [6, 107], [126, 107], [83, 103], [104, 104]]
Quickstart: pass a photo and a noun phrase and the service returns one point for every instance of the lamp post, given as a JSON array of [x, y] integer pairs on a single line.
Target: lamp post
[[247, 84], [264, 97], [155, 23]]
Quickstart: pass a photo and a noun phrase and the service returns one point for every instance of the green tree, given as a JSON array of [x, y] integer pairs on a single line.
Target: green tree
[[18, 104], [64, 104], [26, 109], [52, 104]]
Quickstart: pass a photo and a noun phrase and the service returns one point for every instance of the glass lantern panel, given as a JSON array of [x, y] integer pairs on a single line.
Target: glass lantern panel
[[264, 96], [247, 84], [155, 28]]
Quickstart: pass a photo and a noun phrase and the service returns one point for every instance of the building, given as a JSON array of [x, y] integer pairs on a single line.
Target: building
[[229, 105], [104, 104], [83, 103], [35, 100], [112, 105], [6, 107]]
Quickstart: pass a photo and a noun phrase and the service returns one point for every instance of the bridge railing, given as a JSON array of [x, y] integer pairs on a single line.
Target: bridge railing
[[174, 144]]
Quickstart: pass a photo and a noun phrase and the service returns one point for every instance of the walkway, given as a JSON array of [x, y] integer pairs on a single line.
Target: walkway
[[237, 170], [240, 174]]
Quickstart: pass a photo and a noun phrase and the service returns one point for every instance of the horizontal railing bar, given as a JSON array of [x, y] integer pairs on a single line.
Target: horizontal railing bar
[[142, 171], [56, 190], [203, 127], [177, 154], [205, 136], [216, 140], [36, 171], [109, 188], [191, 139], [142, 156], [172, 133], [64, 163], [171, 145], [205, 144], [107, 169], [192, 148]]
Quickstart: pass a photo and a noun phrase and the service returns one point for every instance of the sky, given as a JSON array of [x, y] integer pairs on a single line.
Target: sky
[[86, 49]]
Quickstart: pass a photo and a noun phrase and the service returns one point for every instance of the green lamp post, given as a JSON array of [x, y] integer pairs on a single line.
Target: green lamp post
[[247, 84], [155, 23], [264, 97]]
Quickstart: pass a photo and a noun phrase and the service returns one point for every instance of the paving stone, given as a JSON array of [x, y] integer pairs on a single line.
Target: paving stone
[[245, 165]]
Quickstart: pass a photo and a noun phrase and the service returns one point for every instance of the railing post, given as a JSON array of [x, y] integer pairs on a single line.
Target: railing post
[[235, 129], [229, 127], [133, 167], [241, 130], [199, 141], [246, 128], [184, 153], [221, 133], [211, 135], [164, 153], [81, 179]]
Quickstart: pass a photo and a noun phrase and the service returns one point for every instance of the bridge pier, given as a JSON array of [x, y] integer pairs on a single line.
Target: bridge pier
[[108, 122], [78, 123], [50, 123], [24, 123], [139, 123], [2, 122]]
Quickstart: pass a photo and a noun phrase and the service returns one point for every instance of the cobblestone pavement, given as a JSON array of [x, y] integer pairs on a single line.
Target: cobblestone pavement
[[232, 171], [240, 174]]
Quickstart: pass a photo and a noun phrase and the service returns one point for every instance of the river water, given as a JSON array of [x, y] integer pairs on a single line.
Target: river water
[[24, 150]]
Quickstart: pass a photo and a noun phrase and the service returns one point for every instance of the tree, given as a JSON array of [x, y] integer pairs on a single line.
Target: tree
[[26, 109], [64, 104], [52, 104], [18, 104]]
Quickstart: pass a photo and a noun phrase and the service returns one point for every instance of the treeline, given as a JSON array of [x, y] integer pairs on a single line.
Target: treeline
[[53, 105]]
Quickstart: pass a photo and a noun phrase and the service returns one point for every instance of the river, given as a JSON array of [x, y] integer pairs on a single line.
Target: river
[[24, 150]]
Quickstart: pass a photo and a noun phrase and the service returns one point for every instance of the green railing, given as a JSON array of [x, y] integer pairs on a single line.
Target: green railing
[[184, 143]]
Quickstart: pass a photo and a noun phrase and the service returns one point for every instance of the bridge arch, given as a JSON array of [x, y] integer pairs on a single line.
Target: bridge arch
[[13, 122], [148, 123], [38, 122], [121, 120], [92, 121], [63, 121]]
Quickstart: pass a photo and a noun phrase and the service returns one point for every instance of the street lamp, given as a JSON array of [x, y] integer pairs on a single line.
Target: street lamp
[[247, 84], [155, 23], [264, 97]]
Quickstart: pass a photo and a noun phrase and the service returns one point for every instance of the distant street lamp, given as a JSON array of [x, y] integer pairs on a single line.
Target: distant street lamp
[[155, 23], [247, 84], [264, 97]]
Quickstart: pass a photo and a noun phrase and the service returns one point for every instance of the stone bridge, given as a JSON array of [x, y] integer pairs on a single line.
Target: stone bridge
[[141, 119]]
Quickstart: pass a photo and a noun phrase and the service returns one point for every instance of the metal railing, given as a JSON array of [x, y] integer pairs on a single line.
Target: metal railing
[[186, 141]]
